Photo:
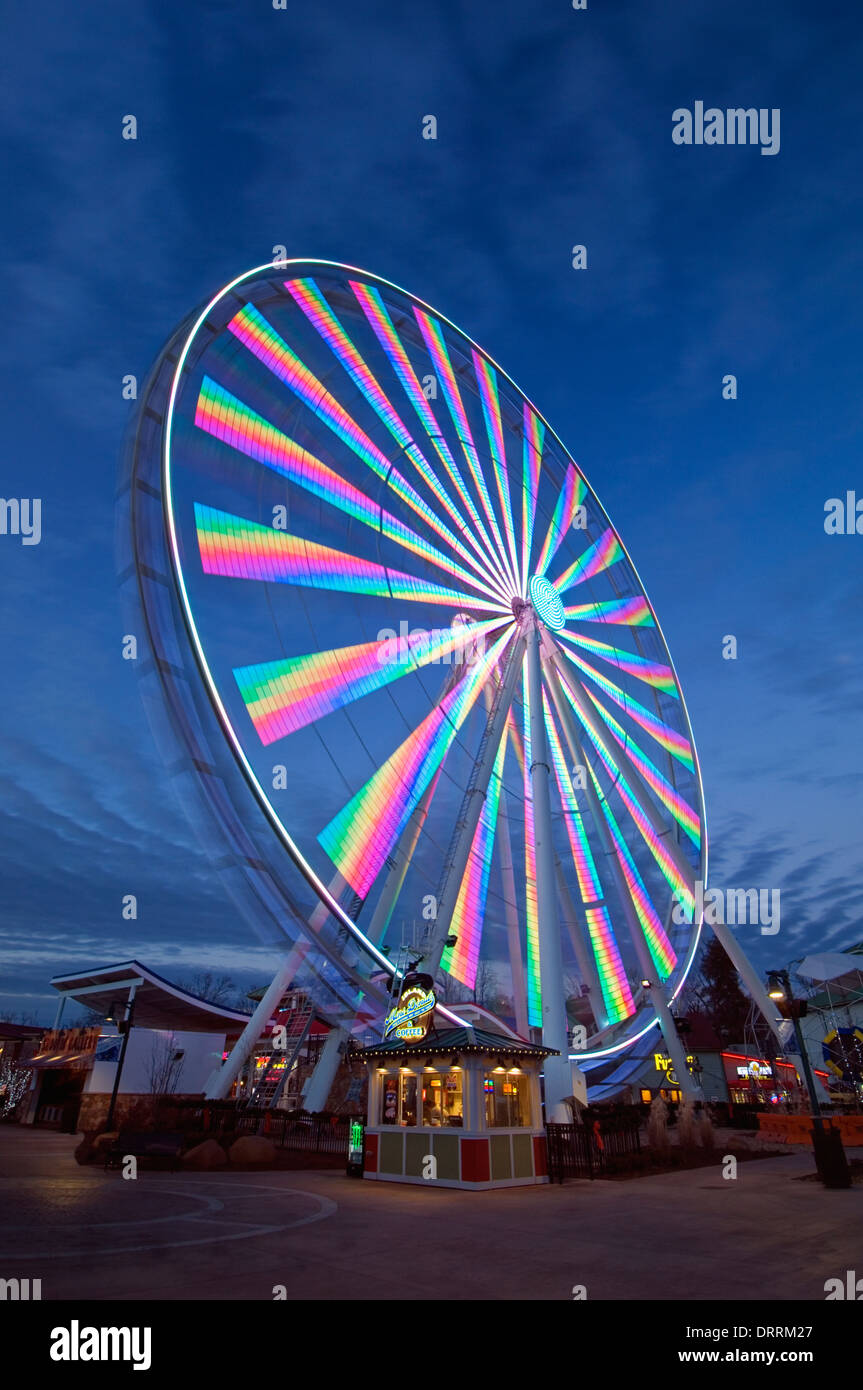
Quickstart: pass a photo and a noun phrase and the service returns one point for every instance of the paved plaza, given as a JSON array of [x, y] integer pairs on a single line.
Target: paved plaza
[[683, 1236]]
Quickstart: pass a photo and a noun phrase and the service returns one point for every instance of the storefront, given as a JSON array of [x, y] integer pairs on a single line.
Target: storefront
[[460, 1108], [733, 1076], [756, 1081]]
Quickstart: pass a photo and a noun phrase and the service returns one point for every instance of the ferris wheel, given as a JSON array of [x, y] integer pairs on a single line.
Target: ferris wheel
[[429, 656]]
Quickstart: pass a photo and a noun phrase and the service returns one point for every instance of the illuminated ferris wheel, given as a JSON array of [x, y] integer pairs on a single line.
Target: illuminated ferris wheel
[[429, 655]]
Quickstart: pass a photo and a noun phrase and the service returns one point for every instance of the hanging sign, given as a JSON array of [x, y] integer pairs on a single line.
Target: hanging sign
[[410, 1021]]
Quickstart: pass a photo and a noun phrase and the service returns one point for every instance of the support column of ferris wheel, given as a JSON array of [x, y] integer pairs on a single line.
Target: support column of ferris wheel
[[562, 1080]]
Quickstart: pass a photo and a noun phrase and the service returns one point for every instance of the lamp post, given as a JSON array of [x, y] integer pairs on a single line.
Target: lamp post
[[124, 1026], [830, 1157]]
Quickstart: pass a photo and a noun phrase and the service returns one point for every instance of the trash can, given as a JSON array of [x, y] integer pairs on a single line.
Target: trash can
[[830, 1159]]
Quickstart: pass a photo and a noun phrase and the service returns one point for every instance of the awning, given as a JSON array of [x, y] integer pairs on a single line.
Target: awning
[[159, 1004]]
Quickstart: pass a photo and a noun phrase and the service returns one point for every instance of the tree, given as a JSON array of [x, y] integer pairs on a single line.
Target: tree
[[486, 985], [451, 991], [216, 989], [724, 1002], [164, 1064]]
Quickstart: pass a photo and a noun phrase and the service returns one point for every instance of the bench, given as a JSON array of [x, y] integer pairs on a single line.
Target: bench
[[151, 1144]]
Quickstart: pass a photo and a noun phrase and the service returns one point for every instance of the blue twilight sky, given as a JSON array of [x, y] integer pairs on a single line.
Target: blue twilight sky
[[302, 126]]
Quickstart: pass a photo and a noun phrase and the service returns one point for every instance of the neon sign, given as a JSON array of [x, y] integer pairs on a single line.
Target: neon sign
[[756, 1069], [411, 1020], [665, 1064]]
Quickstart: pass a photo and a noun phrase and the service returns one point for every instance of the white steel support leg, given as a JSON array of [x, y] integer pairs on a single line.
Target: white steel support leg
[[513, 935], [221, 1081], [320, 1082], [402, 855], [558, 1071], [452, 887], [583, 952], [645, 961]]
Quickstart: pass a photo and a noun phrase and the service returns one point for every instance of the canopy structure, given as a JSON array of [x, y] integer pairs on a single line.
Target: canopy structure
[[158, 1003], [830, 965]]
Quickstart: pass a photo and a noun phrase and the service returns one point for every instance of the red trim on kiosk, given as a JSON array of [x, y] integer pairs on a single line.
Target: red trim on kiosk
[[475, 1161]]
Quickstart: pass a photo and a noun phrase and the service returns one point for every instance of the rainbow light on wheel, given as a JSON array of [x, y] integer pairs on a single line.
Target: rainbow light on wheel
[[362, 513]]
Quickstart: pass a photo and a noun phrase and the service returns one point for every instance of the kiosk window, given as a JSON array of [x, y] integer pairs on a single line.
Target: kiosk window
[[507, 1100], [443, 1098], [399, 1100]]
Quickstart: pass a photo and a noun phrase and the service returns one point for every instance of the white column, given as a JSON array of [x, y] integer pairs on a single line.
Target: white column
[[474, 1096], [513, 934], [320, 1082], [402, 854], [220, 1083], [558, 1070]]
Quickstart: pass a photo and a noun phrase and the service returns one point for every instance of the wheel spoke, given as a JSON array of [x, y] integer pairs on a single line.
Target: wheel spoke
[[670, 797], [604, 552], [667, 737], [487, 381], [285, 695], [571, 497], [437, 350], [533, 431], [661, 949], [653, 829], [241, 549], [634, 612], [654, 673], [226, 418], [251, 328], [313, 304], [361, 836], [373, 307]]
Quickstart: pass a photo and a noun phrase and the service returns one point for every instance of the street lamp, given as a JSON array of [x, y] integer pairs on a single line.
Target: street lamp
[[124, 1026], [830, 1157]]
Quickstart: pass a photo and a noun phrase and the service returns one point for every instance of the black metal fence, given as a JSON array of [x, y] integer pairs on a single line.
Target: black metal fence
[[288, 1129], [593, 1148]]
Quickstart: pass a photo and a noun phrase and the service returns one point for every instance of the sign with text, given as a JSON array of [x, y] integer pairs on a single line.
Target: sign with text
[[410, 1021]]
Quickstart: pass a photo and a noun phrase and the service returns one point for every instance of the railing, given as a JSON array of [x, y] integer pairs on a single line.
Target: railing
[[591, 1149], [288, 1129]]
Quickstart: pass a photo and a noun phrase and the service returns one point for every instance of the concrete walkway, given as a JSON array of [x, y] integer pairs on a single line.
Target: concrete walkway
[[684, 1236]]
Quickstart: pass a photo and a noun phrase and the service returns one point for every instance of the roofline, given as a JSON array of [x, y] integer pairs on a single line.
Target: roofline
[[219, 1010]]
